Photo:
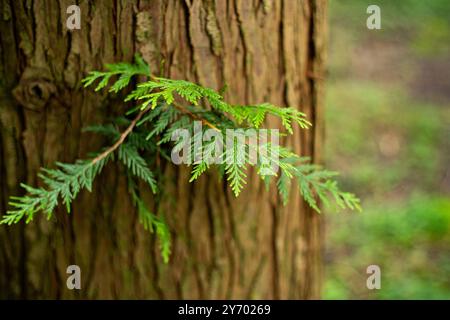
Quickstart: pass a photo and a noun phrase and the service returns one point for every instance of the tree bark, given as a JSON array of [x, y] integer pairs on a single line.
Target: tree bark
[[223, 247]]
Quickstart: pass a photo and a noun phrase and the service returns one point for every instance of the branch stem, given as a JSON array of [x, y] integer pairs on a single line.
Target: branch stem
[[121, 139], [194, 116]]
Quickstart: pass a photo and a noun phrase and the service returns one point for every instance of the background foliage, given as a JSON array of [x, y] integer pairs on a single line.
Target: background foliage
[[388, 107]]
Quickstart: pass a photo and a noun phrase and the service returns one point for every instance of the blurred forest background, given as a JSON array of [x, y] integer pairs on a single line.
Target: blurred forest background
[[388, 133]]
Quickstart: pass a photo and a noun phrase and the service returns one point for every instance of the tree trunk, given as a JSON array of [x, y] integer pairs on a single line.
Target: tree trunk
[[223, 247]]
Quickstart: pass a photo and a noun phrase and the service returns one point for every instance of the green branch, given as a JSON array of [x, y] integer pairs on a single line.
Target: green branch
[[161, 106]]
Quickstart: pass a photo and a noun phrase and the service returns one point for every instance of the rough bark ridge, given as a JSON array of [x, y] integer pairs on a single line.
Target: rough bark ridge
[[250, 247]]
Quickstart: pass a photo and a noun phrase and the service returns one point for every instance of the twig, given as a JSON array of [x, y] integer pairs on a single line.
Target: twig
[[184, 110], [206, 122], [133, 123], [121, 139]]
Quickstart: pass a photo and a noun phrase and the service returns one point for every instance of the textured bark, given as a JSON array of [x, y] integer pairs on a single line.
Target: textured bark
[[250, 247]]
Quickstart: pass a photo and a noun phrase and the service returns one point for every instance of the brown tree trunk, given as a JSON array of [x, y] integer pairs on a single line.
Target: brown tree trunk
[[250, 247]]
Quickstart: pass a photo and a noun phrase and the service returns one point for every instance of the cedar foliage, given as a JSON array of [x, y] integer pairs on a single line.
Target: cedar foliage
[[155, 113]]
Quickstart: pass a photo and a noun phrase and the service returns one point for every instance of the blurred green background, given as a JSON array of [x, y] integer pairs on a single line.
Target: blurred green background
[[388, 109]]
